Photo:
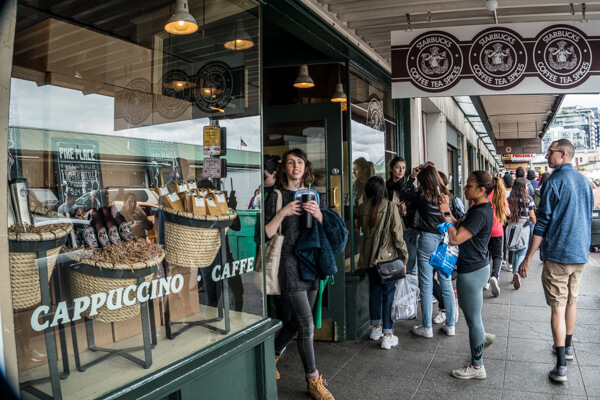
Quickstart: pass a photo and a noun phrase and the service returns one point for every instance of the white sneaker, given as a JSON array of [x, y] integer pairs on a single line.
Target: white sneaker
[[434, 300], [376, 333], [440, 317], [422, 331], [469, 372], [450, 330], [495, 287], [486, 286], [389, 341]]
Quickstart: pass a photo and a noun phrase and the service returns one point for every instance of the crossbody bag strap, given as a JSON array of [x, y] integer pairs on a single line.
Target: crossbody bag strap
[[382, 232], [278, 206]]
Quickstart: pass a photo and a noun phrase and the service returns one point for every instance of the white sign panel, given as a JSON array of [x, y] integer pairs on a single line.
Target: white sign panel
[[500, 59]]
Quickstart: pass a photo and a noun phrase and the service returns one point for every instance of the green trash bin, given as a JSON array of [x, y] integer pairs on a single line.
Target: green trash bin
[[242, 242]]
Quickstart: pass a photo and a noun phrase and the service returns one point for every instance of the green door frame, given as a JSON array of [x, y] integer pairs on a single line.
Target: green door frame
[[331, 113]]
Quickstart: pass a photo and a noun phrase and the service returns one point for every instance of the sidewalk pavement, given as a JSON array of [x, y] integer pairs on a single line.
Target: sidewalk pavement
[[517, 364]]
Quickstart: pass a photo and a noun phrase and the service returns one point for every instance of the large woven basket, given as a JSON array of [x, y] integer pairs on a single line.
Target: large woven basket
[[24, 272], [193, 240], [85, 285]]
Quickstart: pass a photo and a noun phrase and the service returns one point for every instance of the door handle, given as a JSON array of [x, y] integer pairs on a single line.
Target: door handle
[[334, 196]]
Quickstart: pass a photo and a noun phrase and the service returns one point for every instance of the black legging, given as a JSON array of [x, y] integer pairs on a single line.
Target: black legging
[[496, 253], [301, 323]]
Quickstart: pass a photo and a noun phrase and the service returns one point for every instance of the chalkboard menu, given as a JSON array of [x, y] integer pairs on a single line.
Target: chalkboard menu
[[77, 167], [163, 162]]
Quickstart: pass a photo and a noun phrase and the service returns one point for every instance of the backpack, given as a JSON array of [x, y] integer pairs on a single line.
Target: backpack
[[517, 235]]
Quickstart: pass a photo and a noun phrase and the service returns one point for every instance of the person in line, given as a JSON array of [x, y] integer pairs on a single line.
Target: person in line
[[136, 217], [270, 166], [564, 229], [520, 174], [293, 173], [457, 209], [251, 204], [429, 217], [523, 208], [376, 214], [68, 208], [399, 190], [532, 179], [495, 245], [257, 199], [472, 236], [508, 184], [362, 170], [537, 197]]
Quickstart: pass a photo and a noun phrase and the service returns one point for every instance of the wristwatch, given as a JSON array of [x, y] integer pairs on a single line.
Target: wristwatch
[[447, 214]]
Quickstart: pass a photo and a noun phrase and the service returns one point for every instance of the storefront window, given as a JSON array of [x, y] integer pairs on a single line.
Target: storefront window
[[133, 156], [373, 140]]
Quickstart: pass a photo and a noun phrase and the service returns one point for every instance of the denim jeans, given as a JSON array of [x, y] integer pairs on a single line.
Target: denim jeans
[[517, 258], [301, 323], [428, 242], [411, 238], [381, 295]]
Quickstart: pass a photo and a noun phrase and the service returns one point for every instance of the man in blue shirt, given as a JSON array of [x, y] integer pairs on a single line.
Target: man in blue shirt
[[563, 229]]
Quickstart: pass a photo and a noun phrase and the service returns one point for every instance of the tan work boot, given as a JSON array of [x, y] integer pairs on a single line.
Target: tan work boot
[[277, 376], [317, 390]]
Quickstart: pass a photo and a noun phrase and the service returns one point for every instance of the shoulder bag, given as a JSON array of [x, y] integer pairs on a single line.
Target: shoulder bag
[[389, 271], [272, 255]]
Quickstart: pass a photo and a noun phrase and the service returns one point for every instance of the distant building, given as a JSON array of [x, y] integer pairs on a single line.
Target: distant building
[[578, 124]]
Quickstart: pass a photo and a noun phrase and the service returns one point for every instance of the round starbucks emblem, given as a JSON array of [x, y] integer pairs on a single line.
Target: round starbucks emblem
[[214, 85], [176, 94], [375, 117], [136, 106], [563, 56], [498, 58], [434, 61]]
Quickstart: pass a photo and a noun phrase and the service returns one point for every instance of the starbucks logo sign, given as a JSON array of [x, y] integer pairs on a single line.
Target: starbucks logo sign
[[375, 116], [563, 56], [434, 61], [136, 104], [498, 58], [176, 94], [214, 85]]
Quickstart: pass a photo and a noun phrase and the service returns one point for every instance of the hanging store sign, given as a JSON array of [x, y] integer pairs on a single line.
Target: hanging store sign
[[518, 146], [521, 157], [214, 140], [508, 59]]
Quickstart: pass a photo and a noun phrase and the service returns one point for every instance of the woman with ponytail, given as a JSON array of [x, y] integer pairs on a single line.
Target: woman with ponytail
[[498, 200], [376, 214], [472, 236]]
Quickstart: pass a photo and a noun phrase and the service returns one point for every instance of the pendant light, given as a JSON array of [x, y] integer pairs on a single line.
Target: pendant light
[[304, 81], [240, 39], [339, 96], [181, 22]]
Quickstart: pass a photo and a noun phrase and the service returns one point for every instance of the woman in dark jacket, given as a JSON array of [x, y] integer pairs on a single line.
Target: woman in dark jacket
[[293, 173], [427, 218], [399, 191], [375, 214]]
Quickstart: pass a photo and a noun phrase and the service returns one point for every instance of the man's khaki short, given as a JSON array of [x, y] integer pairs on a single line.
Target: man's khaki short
[[561, 282]]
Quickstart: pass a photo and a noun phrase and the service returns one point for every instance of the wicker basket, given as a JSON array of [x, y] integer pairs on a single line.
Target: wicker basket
[[24, 273], [193, 240], [85, 285]]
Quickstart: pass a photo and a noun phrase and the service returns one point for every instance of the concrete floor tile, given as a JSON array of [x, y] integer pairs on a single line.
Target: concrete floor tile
[[587, 354], [588, 302], [530, 313], [586, 333], [533, 377], [518, 395], [530, 350], [528, 298], [426, 393], [370, 382], [530, 330], [405, 364], [459, 346], [438, 376], [588, 317], [591, 379], [491, 311]]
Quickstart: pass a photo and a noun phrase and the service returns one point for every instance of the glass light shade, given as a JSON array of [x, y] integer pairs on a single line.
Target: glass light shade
[[181, 22], [178, 85], [339, 96], [304, 81], [239, 44]]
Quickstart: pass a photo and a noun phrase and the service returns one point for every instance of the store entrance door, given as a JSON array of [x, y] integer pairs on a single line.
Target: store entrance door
[[316, 129]]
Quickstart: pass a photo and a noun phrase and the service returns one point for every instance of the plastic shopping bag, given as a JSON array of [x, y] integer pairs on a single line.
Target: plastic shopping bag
[[445, 256], [404, 305]]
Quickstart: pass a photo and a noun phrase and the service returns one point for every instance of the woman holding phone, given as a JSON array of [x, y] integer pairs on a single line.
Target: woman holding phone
[[293, 173]]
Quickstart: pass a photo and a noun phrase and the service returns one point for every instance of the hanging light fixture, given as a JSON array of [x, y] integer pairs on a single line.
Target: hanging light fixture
[[491, 5], [181, 22], [304, 81], [240, 39], [339, 96]]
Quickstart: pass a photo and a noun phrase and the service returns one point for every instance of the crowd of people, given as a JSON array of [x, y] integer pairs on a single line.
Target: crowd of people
[[508, 219]]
